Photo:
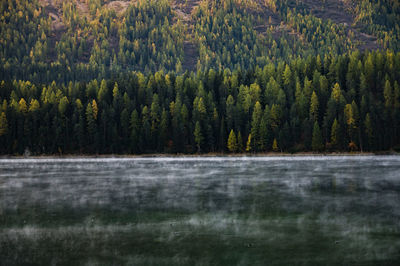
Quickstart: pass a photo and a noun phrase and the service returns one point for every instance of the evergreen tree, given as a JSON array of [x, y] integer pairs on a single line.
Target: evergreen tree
[[198, 136], [91, 117], [350, 120], [275, 145], [240, 142], [230, 111], [263, 142], [125, 129], [163, 130], [369, 131], [232, 142], [314, 107], [135, 131], [255, 126], [388, 94], [317, 144], [248, 143], [335, 131], [3, 124]]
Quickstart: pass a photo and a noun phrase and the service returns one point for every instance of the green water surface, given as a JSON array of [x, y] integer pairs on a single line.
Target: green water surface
[[201, 211]]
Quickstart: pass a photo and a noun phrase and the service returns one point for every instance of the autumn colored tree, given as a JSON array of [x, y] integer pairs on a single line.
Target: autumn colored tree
[[232, 142]]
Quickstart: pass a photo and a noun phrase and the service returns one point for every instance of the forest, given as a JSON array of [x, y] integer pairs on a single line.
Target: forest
[[81, 77], [344, 103]]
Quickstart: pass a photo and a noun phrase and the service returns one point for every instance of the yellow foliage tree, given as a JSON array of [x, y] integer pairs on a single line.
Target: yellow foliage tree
[[22, 107], [275, 145], [3, 124], [95, 109], [248, 143], [232, 142]]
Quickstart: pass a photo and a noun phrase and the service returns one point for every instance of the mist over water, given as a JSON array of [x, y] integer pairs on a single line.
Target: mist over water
[[199, 211]]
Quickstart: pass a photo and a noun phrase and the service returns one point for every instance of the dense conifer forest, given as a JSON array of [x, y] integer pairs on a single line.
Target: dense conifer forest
[[100, 77]]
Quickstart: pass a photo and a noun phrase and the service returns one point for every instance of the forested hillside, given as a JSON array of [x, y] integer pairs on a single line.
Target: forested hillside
[[143, 76]]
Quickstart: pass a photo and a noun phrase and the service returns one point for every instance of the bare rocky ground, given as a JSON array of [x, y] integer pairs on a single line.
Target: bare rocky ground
[[340, 12], [184, 9]]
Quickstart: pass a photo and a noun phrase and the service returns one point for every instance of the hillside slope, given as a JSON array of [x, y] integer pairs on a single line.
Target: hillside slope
[[45, 40]]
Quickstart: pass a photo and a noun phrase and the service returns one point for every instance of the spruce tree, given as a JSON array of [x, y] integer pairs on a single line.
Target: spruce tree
[[240, 142], [317, 144], [3, 124], [198, 136]]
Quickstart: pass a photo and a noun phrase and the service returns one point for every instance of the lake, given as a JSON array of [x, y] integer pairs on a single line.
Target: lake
[[318, 210]]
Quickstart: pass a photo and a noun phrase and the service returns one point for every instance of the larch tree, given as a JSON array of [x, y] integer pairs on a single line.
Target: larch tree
[[275, 145], [232, 142], [350, 121], [248, 143], [22, 106]]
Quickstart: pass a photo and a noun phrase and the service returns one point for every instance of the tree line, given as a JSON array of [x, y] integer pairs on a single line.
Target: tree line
[[335, 103]]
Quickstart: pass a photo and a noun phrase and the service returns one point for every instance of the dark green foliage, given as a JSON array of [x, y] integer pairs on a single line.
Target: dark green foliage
[[127, 114]]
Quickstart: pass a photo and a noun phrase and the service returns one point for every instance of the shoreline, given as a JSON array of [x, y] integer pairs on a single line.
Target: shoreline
[[201, 155]]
